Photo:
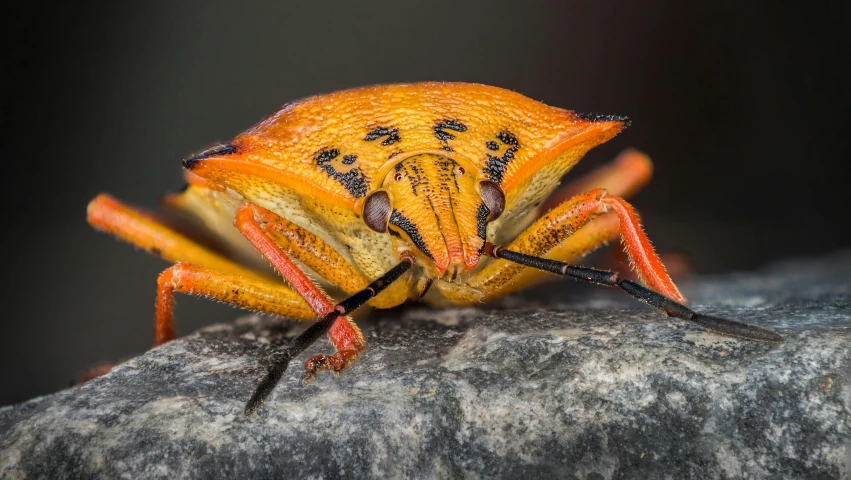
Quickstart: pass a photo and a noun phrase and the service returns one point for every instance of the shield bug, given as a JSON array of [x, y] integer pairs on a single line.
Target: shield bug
[[397, 192]]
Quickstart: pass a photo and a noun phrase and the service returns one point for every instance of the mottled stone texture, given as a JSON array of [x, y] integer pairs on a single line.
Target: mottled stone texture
[[565, 381]]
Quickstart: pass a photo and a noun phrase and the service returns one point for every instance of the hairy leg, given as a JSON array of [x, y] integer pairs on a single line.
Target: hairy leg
[[243, 292], [311, 250], [282, 358], [144, 231], [573, 228], [623, 177], [198, 271], [345, 335]]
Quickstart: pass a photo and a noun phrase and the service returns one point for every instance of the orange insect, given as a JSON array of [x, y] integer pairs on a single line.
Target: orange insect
[[398, 192]]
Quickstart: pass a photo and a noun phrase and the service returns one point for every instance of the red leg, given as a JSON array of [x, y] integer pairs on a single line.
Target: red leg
[[283, 358], [628, 173], [199, 270], [567, 224], [344, 334], [644, 259], [677, 263]]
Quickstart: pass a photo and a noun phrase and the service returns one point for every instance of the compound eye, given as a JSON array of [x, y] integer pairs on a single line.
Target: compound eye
[[376, 211], [493, 198]]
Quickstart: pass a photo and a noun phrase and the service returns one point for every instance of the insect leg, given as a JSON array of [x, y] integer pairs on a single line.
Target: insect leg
[[642, 257], [566, 233], [282, 359], [205, 273], [236, 290], [561, 222], [311, 250], [344, 334], [139, 228], [624, 176], [563, 232], [650, 297]]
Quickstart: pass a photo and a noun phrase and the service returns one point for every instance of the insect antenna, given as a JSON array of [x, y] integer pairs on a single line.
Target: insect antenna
[[610, 279], [281, 360]]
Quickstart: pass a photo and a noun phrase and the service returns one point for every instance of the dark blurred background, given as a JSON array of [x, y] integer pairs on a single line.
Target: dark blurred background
[[744, 108]]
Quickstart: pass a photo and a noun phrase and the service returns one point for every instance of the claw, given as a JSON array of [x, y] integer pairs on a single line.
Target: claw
[[335, 363]]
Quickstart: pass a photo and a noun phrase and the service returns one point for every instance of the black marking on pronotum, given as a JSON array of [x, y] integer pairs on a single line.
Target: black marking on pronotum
[[448, 124], [495, 168], [392, 135], [507, 138], [482, 222], [354, 180], [408, 227], [596, 117], [349, 159], [223, 149], [326, 155], [492, 145]]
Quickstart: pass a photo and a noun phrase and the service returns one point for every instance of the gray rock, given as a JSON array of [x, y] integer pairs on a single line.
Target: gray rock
[[590, 386]]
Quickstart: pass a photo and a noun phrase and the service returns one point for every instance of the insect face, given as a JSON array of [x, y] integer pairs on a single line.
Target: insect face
[[437, 207]]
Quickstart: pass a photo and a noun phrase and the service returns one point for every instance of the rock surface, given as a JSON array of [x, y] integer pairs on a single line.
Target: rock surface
[[589, 386]]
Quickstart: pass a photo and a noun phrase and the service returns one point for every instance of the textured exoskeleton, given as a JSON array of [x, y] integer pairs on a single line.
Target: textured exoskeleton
[[396, 192]]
